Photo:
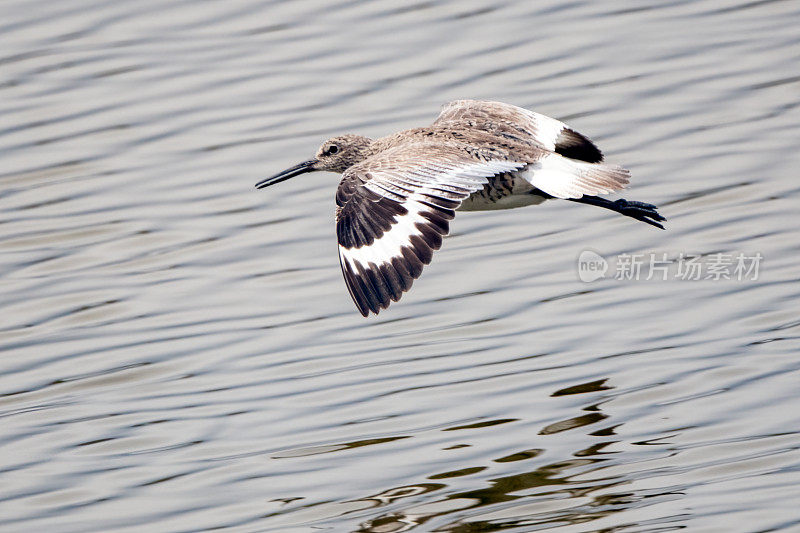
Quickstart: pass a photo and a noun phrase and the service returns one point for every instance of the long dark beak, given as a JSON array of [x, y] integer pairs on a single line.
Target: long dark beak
[[302, 168]]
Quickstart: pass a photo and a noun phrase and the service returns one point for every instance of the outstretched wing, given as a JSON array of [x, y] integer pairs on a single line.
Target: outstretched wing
[[534, 128], [393, 210]]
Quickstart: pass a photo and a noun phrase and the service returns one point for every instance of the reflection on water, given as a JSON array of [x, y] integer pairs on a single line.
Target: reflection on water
[[505, 502], [179, 351]]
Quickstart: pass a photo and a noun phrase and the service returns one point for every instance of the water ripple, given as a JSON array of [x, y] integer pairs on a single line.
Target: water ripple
[[179, 352]]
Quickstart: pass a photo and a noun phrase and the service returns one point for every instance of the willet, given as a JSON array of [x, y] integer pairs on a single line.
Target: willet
[[398, 193]]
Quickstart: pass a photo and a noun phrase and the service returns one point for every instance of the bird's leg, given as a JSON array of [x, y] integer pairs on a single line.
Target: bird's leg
[[639, 210]]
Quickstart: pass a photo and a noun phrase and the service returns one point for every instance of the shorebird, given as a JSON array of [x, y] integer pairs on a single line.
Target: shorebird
[[398, 193]]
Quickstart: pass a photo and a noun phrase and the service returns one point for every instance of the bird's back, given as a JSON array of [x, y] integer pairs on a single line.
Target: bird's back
[[518, 125]]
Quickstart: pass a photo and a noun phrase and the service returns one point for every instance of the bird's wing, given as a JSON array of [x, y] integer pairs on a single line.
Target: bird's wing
[[574, 170], [393, 209], [534, 128]]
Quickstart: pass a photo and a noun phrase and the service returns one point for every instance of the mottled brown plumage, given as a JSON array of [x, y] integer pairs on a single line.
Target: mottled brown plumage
[[399, 193]]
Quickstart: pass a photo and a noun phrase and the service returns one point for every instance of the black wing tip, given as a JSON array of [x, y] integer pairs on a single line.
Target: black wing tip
[[374, 287], [369, 294], [572, 144], [369, 291]]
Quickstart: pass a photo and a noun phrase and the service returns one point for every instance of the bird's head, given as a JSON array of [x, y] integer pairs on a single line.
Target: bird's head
[[335, 155]]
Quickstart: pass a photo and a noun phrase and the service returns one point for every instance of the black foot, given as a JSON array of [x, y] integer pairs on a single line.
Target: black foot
[[640, 211]]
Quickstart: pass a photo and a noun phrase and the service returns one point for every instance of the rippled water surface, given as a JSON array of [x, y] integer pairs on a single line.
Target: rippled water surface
[[179, 351]]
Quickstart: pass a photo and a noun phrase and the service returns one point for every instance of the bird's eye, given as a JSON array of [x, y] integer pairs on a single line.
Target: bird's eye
[[332, 149]]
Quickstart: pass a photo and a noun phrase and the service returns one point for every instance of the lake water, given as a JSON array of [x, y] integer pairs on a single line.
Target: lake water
[[180, 353]]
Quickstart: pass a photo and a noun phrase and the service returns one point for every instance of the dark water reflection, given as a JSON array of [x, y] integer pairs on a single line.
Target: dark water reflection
[[550, 495], [179, 352]]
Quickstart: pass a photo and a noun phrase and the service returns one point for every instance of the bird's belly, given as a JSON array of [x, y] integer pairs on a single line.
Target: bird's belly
[[505, 191]]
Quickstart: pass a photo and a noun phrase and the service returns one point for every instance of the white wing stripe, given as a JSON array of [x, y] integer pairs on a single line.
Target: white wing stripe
[[547, 129], [390, 244]]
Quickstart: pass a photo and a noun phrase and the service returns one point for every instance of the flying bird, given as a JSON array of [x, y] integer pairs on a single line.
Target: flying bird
[[398, 194]]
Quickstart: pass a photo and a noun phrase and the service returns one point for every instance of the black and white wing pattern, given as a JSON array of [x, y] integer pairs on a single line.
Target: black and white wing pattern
[[534, 128], [392, 211]]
